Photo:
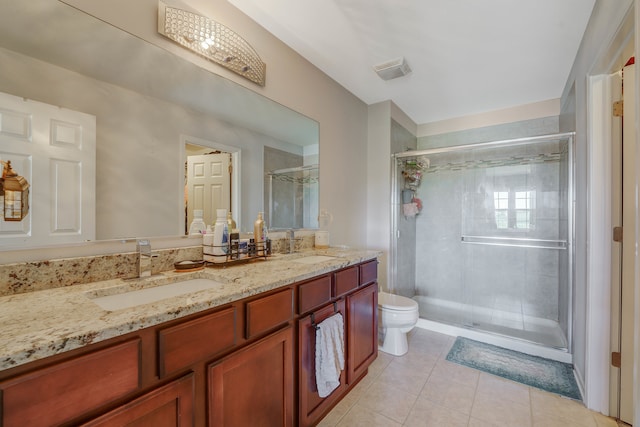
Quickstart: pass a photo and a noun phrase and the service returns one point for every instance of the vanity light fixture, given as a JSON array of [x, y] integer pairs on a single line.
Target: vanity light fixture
[[15, 191], [211, 40]]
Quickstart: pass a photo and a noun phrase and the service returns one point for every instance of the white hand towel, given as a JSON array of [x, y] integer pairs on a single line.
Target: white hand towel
[[329, 354]]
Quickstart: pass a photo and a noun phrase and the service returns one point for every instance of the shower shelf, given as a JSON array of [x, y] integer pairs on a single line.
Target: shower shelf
[[515, 242]]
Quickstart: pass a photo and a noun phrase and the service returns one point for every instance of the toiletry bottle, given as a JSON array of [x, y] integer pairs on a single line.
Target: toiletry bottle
[[220, 236], [259, 235], [197, 225], [230, 222], [207, 241]]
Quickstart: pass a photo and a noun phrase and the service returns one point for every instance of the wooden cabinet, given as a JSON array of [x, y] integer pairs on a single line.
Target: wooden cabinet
[[345, 281], [168, 406], [269, 312], [314, 293], [248, 363], [60, 392], [310, 405], [254, 386], [368, 272], [357, 300], [182, 345], [362, 330]]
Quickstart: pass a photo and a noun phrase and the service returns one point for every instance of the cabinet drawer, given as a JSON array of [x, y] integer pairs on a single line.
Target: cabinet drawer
[[314, 293], [59, 393], [268, 312], [368, 272], [169, 405], [194, 340], [345, 281]]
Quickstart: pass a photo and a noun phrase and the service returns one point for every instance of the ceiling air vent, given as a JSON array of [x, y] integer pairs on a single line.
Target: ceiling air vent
[[392, 69]]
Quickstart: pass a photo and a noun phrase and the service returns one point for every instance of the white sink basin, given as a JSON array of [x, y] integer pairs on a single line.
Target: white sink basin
[[128, 299], [313, 259]]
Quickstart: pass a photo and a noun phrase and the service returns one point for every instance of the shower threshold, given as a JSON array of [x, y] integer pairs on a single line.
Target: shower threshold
[[511, 330]]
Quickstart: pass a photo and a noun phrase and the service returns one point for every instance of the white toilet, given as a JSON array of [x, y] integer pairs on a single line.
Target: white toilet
[[397, 315]]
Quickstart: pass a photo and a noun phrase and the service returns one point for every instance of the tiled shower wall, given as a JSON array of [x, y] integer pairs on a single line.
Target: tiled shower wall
[[460, 203], [533, 280]]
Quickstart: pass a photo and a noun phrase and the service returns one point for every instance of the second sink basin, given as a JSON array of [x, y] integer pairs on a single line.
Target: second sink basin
[[128, 299]]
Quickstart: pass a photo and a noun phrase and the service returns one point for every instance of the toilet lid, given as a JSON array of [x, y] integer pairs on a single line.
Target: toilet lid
[[396, 302]]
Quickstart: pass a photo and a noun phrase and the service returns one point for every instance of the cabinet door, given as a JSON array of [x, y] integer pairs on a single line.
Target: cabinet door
[[167, 406], [311, 406], [186, 343], [61, 392], [362, 330], [254, 386]]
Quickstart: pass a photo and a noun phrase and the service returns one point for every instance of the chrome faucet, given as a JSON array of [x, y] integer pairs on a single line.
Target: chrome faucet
[[291, 235], [145, 256]]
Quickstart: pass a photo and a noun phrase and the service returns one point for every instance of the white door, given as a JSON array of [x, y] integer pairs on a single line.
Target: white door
[[208, 185], [628, 247], [55, 150]]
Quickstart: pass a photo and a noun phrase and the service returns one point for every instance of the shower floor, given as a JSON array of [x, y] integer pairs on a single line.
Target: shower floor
[[515, 325]]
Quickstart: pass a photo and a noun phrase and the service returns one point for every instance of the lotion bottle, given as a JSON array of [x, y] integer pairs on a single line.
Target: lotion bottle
[[197, 226], [220, 236], [259, 235], [231, 224]]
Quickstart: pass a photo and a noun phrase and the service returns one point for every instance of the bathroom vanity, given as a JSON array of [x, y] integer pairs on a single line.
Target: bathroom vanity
[[240, 352]]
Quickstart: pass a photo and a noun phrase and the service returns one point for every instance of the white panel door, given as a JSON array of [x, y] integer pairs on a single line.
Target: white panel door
[[55, 150], [208, 185]]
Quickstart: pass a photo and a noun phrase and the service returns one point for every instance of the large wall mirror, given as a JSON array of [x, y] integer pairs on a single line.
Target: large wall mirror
[[153, 110]]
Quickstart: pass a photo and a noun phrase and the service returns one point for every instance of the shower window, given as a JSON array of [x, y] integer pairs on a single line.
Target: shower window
[[501, 201], [524, 206], [514, 209]]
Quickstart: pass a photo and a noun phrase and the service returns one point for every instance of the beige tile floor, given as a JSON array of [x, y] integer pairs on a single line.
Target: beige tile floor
[[422, 388]]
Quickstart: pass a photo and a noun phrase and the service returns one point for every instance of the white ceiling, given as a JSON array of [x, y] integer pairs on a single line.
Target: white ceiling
[[467, 56]]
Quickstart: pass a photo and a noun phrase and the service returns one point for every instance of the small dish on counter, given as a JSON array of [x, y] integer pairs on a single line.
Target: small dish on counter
[[184, 266]]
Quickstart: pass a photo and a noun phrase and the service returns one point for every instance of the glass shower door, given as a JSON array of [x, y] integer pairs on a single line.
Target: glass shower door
[[491, 248], [515, 238]]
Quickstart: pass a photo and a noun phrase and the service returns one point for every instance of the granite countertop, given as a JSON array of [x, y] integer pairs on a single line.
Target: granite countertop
[[48, 322]]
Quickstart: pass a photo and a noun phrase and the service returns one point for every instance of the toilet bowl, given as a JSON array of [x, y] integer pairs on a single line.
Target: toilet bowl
[[397, 315]]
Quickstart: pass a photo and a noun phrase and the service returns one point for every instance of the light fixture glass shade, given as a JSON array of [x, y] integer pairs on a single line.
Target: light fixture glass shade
[[16, 195], [212, 40]]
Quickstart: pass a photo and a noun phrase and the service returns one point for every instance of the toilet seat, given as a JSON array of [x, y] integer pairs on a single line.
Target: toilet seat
[[396, 302]]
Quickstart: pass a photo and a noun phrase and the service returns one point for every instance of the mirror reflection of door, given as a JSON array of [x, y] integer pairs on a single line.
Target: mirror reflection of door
[[208, 185]]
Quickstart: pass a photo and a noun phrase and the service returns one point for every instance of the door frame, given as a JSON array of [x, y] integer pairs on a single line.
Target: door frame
[[599, 222], [236, 184]]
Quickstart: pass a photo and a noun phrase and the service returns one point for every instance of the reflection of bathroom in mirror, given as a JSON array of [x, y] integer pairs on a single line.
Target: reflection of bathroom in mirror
[[142, 113], [210, 180], [291, 189]]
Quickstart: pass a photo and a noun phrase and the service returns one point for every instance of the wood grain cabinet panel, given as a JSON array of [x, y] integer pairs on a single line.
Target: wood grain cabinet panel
[[313, 294], [168, 406], [345, 281], [61, 392], [254, 386], [368, 272], [362, 331], [194, 340], [310, 405], [269, 312]]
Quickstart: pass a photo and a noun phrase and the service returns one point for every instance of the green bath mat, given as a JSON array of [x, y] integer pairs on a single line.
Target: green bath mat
[[550, 375]]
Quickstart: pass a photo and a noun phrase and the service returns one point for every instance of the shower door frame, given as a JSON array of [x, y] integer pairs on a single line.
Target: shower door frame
[[395, 204]]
